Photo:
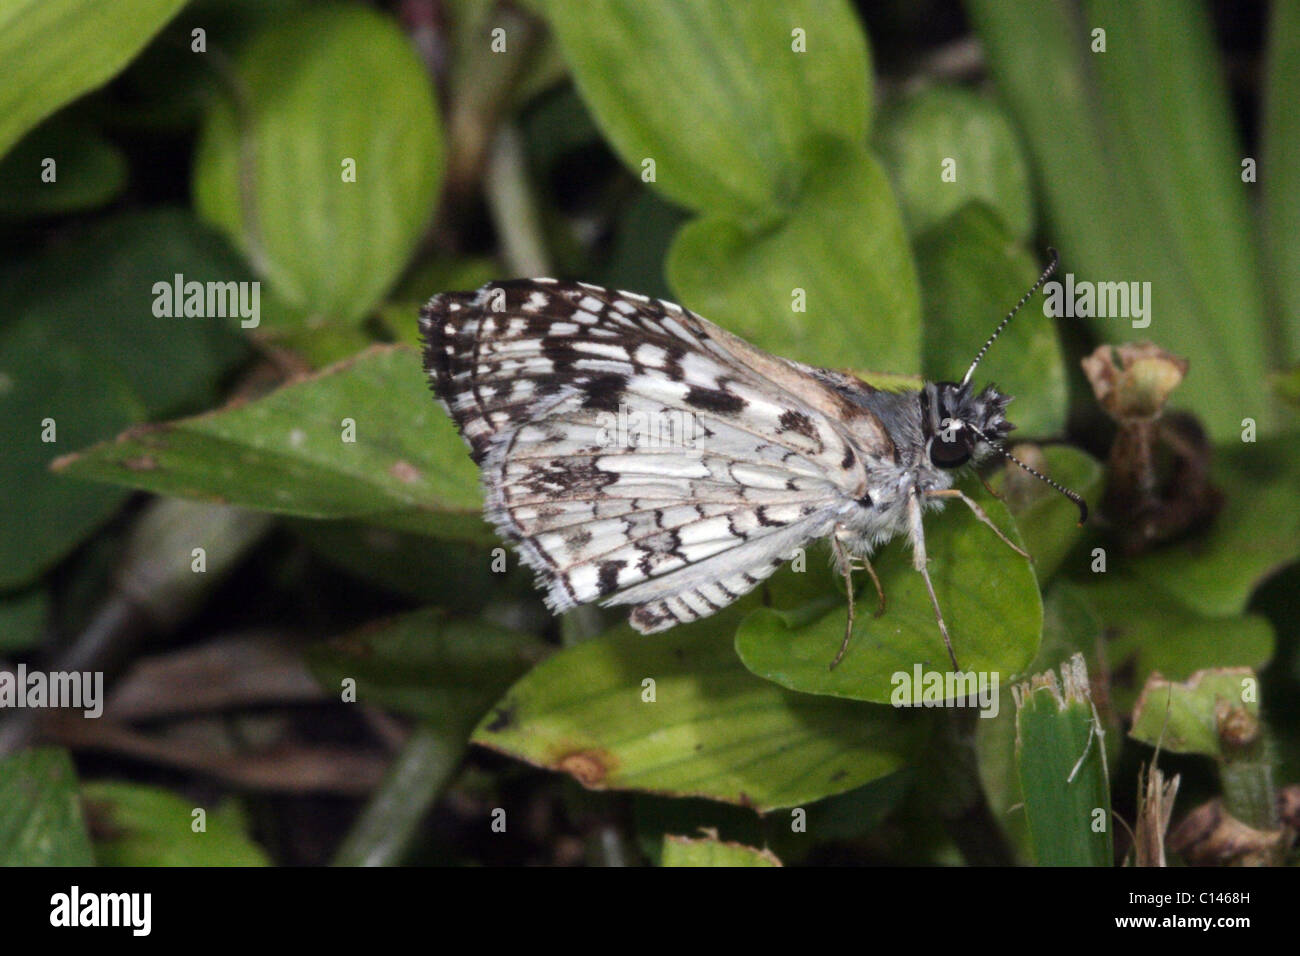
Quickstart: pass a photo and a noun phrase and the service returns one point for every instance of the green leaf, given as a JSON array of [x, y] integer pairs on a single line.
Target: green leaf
[[988, 594], [23, 617], [713, 729], [445, 670], [972, 273], [40, 816], [710, 851], [1150, 630], [918, 135], [287, 453], [1256, 533], [1135, 194], [337, 83], [89, 171], [1063, 770], [1046, 519], [1279, 177], [98, 290], [713, 91], [1182, 716], [139, 825], [842, 245], [55, 50], [51, 388]]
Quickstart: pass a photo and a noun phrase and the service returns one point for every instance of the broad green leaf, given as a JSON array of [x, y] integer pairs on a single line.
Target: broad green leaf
[[988, 594], [88, 171], [441, 669], [710, 851], [290, 452], [40, 816], [1062, 767], [1216, 569], [139, 825], [55, 50], [1046, 519], [107, 290], [712, 729], [1182, 716], [1278, 174], [919, 135], [50, 388], [714, 92], [336, 85], [1135, 194], [972, 273], [1150, 630], [23, 616], [840, 256]]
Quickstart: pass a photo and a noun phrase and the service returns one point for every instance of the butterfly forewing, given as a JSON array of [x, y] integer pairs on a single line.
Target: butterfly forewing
[[634, 452]]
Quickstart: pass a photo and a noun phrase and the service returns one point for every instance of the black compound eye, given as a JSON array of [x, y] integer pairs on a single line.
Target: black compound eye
[[953, 452]]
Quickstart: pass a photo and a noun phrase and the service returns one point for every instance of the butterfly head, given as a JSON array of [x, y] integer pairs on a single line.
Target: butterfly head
[[959, 424]]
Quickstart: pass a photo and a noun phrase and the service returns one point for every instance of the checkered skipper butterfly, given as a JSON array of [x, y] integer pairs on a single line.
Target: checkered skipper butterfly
[[558, 387]]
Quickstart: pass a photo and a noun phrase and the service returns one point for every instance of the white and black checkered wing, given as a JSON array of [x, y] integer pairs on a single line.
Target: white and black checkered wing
[[542, 377]]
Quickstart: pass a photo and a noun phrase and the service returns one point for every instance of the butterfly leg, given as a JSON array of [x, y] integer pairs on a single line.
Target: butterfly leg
[[979, 513], [880, 592], [845, 563], [919, 559]]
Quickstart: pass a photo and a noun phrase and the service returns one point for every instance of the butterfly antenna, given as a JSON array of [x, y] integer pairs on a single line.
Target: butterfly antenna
[[1073, 496], [1047, 274]]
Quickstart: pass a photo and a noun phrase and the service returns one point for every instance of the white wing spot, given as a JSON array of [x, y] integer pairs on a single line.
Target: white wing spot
[[600, 348]]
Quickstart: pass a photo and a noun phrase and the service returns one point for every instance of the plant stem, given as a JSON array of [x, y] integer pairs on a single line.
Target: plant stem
[[382, 834]]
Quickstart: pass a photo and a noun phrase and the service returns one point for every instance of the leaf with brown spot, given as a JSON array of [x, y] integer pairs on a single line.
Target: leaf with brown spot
[[713, 730]]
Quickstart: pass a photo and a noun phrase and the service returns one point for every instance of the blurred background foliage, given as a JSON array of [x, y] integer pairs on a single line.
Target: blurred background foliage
[[721, 154]]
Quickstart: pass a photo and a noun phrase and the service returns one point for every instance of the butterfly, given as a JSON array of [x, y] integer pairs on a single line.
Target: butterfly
[[637, 454]]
